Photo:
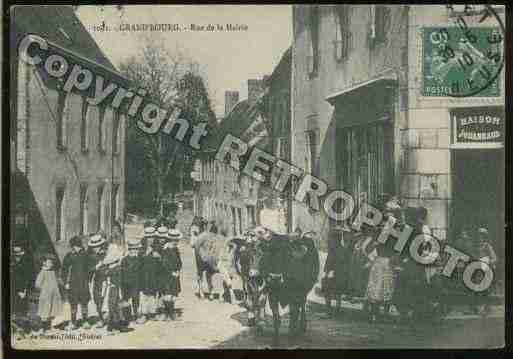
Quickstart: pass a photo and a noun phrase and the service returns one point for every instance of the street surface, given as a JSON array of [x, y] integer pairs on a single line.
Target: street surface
[[218, 325]]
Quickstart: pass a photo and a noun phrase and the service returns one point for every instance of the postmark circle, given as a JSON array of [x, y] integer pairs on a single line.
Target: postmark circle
[[467, 61]]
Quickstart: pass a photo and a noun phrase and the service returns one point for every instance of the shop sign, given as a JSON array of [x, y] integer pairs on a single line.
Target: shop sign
[[478, 125]]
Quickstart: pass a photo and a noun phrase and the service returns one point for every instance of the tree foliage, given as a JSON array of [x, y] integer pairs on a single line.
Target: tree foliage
[[158, 165]]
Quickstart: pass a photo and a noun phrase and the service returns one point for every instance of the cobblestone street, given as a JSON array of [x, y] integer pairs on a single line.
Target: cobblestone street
[[215, 324]]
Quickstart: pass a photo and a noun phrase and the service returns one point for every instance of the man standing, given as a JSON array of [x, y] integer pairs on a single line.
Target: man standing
[[21, 279], [75, 274]]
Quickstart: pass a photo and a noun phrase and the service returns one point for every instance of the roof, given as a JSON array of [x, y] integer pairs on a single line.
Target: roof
[[59, 25], [240, 118]]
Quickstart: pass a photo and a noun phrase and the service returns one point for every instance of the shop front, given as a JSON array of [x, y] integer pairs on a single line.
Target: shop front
[[477, 157], [365, 141]]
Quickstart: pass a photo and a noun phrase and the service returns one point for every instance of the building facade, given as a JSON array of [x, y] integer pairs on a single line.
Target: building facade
[[363, 122], [222, 193], [70, 153]]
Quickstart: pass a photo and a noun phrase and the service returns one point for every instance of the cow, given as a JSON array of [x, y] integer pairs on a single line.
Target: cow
[[282, 270]]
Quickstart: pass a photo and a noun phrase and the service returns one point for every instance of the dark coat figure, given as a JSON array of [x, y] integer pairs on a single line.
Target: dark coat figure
[[172, 263], [359, 265], [131, 278], [301, 272], [75, 273], [21, 282], [338, 261], [111, 296], [411, 287], [153, 272]]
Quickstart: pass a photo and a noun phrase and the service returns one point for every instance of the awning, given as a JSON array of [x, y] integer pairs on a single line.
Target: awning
[[390, 80], [364, 103]]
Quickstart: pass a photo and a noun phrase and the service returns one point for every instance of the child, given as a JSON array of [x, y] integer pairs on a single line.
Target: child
[[111, 294], [75, 274], [50, 301], [131, 276], [151, 271], [173, 264], [98, 246]]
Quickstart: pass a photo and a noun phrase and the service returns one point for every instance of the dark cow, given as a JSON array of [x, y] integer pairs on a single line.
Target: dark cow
[[282, 269]]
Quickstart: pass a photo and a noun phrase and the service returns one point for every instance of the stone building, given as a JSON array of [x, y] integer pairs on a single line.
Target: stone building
[[363, 122], [69, 154], [224, 194]]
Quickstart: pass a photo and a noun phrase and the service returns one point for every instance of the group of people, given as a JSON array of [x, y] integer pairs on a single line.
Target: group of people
[[360, 268], [128, 284]]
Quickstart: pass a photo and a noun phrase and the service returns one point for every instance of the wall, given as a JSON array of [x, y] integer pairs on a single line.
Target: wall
[[311, 111], [46, 167], [426, 139]]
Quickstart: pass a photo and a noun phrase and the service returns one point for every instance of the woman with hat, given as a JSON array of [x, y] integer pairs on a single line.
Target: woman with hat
[[97, 251], [21, 280], [75, 276], [131, 268], [172, 262], [50, 301]]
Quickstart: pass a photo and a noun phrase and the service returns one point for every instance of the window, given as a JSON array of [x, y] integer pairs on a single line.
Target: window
[[101, 207], [251, 215], [105, 117], [311, 152], [83, 209], [63, 117], [116, 133], [84, 126], [234, 221], [239, 213], [313, 57], [114, 202], [343, 34], [380, 17], [59, 214]]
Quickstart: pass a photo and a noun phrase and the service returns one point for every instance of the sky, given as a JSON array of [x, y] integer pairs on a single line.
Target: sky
[[227, 59]]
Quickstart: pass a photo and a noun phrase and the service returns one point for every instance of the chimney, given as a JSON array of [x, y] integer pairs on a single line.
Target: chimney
[[231, 98], [255, 89]]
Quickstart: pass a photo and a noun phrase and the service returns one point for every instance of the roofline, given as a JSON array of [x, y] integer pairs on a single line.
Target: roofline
[[87, 60], [331, 97]]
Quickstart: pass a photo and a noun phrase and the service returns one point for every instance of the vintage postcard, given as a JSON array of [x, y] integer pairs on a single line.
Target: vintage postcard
[[257, 176]]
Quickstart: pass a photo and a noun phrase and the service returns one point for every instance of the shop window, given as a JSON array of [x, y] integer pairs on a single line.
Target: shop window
[[342, 43], [84, 126], [83, 209], [364, 162], [59, 214], [313, 32], [63, 118]]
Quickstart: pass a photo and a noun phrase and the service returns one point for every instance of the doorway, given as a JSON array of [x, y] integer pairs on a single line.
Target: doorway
[[478, 193]]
